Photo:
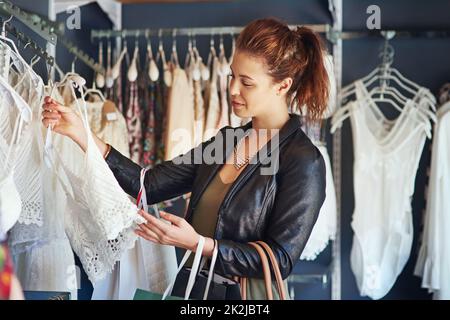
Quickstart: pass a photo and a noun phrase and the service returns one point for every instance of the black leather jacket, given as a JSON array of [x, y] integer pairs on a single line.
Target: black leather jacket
[[279, 208]]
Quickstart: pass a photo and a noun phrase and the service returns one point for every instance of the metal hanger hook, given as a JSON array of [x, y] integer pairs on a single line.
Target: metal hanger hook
[[4, 25]]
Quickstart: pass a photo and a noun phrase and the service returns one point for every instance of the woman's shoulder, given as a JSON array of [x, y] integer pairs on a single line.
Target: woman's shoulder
[[300, 154]]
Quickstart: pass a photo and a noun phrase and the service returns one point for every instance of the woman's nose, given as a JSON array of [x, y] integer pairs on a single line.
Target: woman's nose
[[234, 88]]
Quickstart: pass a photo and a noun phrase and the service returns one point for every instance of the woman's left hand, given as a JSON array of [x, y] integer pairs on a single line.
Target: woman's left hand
[[178, 233]]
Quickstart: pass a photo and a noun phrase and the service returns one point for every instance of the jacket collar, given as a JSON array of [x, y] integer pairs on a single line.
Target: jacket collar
[[290, 127]]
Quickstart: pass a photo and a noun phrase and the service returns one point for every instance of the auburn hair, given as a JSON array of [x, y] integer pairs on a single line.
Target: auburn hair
[[298, 54]]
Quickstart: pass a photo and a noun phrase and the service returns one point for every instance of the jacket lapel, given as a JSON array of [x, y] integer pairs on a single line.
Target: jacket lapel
[[209, 171]]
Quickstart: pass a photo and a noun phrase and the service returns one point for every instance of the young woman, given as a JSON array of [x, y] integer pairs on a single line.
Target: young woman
[[232, 201]]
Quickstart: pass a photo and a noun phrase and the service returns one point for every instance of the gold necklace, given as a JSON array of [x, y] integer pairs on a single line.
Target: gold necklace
[[239, 162]]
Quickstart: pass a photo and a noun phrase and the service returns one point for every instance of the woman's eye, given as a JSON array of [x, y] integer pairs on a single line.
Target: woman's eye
[[246, 84]]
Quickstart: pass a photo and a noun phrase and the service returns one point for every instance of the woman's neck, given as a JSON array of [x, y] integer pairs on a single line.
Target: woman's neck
[[273, 120]]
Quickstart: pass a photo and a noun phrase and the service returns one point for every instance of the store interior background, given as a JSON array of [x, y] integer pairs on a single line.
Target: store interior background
[[424, 61]]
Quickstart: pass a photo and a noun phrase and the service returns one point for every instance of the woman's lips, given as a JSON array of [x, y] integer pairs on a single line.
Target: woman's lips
[[237, 104]]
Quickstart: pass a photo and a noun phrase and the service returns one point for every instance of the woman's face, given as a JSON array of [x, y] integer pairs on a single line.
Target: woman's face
[[252, 90]]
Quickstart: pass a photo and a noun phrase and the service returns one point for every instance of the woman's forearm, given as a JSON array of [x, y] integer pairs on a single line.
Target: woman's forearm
[[81, 140]]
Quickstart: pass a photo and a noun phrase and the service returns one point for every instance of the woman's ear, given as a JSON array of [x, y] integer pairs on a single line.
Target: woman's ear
[[284, 86]]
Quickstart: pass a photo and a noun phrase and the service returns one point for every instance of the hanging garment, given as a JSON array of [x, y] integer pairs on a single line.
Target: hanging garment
[[213, 112], [149, 149], [160, 119], [224, 119], [6, 272], [325, 227], [147, 266], [387, 155], [99, 217], [12, 107], [150, 142], [111, 127], [199, 112], [180, 116], [433, 262], [134, 124], [41, 253]]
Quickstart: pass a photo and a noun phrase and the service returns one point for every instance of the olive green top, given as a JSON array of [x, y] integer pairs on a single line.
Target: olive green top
[[204, 221]]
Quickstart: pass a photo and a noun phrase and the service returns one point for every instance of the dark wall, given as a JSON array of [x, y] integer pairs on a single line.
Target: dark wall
[[92, 17]]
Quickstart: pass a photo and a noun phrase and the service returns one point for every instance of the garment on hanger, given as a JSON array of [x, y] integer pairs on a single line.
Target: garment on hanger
[[199, 111], [6, 272], [160, 108], [325, 227], [212, 97], [433, 262], [387, 154], [99, 217], [111, 127], [149, 130], [180, 116], [147, 266], [134, 124], [37, 241], [224, 118]]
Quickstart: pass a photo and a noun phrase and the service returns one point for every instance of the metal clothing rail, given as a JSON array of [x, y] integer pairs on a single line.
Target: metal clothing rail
[[58, 31], [30, 43], [80, 54], [44, 28], [425, 34], [320, 28]]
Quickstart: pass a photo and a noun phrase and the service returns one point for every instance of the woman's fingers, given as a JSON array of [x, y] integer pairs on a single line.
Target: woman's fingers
[[48, 122], [145, 236], [51, 115], [148, 231], [171, 218], [159, 227]]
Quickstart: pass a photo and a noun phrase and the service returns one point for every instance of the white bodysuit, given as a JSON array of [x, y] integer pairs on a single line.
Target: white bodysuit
[[386, 158]]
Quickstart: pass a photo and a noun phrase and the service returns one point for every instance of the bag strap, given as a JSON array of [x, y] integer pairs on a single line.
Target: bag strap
[[266, 269], [193, 273], [211, 269], [264, 250], [276, 269]]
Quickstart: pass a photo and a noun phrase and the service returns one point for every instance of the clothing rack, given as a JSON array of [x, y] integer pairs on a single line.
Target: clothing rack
[[58, 31], [425, 34], [46, 29], [336, 36], [30, 43], [80, 54], [320, 28]]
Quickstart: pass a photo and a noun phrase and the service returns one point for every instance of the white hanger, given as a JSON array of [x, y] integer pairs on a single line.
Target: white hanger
[[94, 90], [132, 73], [167, 74], [109, 80], [174, 55], [233, 47], [116, 68], [153, 72], [100, 78]]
